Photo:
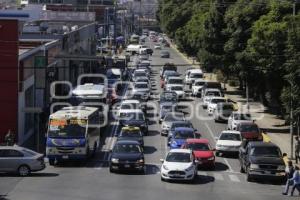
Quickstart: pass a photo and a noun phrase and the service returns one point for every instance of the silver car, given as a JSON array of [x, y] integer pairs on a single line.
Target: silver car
[[15, 159]]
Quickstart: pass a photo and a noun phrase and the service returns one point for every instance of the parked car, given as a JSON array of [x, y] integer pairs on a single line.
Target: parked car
[[179, 137], [228, 142], [223, 111], [261, 160], [202, 151], [197, 87], [237, 117], [16, 159], [164, 54], [249, 130], [127, 155], [131, 133], [168, 119], [179, 164]]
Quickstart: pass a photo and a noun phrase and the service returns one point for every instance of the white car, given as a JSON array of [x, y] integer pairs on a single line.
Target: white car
[[171, 81], [212, 105], [197, 87], [128, 105], [142, 87], [228, 142], [192, 75], [178, 89], [209, 93], [180, 164], [237, 117]]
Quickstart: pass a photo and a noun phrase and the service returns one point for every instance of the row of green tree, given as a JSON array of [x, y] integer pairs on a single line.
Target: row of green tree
[[255, 42]]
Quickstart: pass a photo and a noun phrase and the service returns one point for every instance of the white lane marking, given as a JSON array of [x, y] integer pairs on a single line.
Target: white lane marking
[[201, 173], [234, 178], [213, 136], [218, 176]]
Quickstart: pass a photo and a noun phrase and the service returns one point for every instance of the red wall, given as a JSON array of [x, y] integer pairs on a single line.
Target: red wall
[[8, 76]]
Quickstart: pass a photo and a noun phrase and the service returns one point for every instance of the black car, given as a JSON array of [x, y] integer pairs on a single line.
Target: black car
[[131, 133], [261, 160], [127, 155], [135, 118]]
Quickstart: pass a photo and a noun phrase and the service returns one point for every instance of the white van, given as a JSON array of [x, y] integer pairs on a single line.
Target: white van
[[193, 74]]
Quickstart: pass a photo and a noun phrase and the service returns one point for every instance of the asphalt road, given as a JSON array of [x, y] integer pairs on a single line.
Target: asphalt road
[[92, 180]]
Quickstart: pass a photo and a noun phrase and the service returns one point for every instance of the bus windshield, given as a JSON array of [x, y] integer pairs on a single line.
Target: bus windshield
[[67, 128]]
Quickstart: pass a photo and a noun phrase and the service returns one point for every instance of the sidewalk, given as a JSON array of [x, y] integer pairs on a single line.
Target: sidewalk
[[269, 123]]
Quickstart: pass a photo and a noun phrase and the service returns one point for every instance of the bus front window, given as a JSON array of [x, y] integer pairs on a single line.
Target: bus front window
[[67, 128]]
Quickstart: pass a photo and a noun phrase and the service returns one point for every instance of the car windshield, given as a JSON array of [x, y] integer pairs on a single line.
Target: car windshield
[[230, 136], [183, 125], [198, 146], [248, 128], [242, 116], [213, 93], [141, 86], [175, 81], [184, 134], [215, 101], [177, 88], [196, 75], [131, 116], [174, 117], [199, 83], [131, 133], [178, 157], [67, 128], [265, 151], [127, 148], [142, 80], [164, 52], [167, 107]]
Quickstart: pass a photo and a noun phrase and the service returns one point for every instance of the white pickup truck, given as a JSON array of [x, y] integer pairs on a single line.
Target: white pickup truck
[[135, 48]]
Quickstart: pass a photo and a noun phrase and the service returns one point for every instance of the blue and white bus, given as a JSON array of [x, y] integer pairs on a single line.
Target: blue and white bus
[[73, 134]]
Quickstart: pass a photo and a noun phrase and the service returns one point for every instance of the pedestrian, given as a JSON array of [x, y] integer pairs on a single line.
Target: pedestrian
[[285, 159], [9, 138], [289, 170], [297, 148], [294, 181]]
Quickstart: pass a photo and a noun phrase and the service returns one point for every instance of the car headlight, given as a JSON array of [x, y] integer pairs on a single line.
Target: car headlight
[[189, 168], [165, 167], [211, 158], [140, 161], [281, 167], [218, 145], [254, 166], [174, 143], [115, 160]]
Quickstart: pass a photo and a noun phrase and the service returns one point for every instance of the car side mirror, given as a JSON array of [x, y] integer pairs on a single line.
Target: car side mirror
[[198, 135], [169, 143], [161, 160], [216, 138]]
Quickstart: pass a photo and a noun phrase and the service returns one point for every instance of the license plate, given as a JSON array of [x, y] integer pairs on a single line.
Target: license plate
[[126, 166], [65, 157]]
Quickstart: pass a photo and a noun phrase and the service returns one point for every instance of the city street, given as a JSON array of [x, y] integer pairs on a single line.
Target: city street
[[92, 180]]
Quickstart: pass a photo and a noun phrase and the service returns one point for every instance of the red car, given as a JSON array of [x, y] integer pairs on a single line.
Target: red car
[[249, 131], [202, 151]]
